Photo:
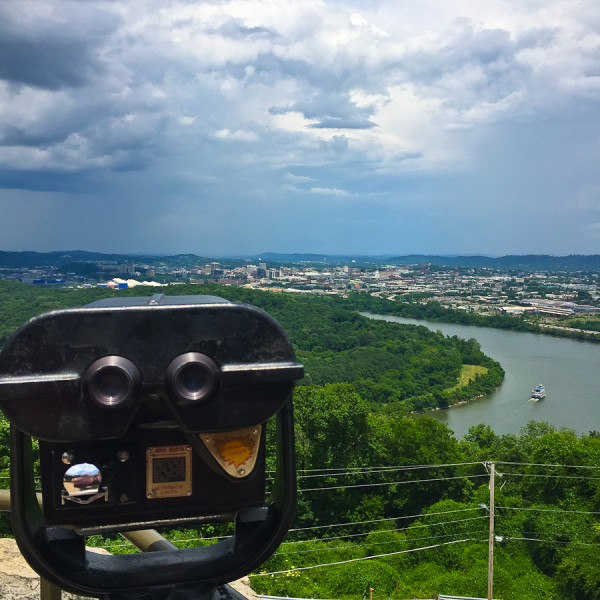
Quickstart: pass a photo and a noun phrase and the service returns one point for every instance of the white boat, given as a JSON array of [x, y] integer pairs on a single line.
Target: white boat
[[538, 392]]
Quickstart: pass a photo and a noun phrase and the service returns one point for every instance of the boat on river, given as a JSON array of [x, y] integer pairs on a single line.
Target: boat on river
[[538, 392]]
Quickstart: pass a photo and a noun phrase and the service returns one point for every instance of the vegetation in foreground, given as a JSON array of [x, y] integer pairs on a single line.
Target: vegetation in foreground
[[398, 494]]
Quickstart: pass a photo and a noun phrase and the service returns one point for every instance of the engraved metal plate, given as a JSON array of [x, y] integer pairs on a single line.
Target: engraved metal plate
[[168, 471], [235, 451]]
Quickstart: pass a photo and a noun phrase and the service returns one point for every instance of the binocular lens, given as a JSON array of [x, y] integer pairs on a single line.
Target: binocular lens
[[192, 376], [112, 380]]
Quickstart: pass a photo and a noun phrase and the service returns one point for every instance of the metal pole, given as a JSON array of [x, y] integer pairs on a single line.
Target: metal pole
[[5, 500], [48, 591], [491, 539], [148, 540]]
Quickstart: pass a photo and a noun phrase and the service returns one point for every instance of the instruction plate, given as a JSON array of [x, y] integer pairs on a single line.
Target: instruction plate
[[168, 471]]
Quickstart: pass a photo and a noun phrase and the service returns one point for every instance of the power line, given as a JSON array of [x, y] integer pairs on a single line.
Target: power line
[[353, 535], [371, 470], [343, 562], [549, 541], [502, 462], [362, 485], [445, 512], [404, 541], [422, 466], [550, 510], [222, 537], [550, 476], [574, 535]]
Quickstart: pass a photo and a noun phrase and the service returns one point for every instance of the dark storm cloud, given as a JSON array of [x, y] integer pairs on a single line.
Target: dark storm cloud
[[189, 119], [55, 50], [49, 64], [50, 181]]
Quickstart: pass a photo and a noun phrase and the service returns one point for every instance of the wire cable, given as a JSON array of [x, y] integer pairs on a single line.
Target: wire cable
[[351, 560], [547, 465], [549, 541], [371, 470], [550, 476], [354, 535], [404, 541], [362, 485], [550, 510], [334, 469], [445, 512]]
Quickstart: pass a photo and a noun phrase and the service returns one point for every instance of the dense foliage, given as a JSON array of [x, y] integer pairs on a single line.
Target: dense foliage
[[434, 311], [424, 507], [386, 363], [397, 493]]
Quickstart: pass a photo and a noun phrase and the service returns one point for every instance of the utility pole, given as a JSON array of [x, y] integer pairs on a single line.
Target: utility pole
[[491, 539]]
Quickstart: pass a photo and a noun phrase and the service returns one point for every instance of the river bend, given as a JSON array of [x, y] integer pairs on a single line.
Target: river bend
[[569, 369]]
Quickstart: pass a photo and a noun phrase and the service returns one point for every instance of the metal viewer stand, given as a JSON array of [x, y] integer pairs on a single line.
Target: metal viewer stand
[[150, 412]]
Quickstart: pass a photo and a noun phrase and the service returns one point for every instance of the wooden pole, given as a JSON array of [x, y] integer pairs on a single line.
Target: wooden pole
[[491, 539]]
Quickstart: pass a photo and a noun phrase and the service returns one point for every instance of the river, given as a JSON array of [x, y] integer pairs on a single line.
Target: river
[[569, 370]]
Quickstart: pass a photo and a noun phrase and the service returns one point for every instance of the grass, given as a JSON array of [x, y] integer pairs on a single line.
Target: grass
[[467, 374]]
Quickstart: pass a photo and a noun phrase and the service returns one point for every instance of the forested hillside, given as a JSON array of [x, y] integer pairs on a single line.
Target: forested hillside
[[390, 499], [385, 363], [407, 509]]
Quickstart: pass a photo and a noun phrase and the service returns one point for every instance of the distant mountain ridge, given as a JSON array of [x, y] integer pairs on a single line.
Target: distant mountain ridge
[[29, 259], [529, 262]]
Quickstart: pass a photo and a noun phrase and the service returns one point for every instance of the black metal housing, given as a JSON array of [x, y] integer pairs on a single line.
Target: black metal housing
[[104, 383]]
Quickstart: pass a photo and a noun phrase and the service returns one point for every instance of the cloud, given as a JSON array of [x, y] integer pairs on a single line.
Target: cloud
[[338, 123], [222, 102], [328, 191], [297, 178], [52, 46], [237, 136], [72, 80]]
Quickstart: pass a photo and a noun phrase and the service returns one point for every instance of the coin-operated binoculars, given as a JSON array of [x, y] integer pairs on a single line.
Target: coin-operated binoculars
[[150, 412]]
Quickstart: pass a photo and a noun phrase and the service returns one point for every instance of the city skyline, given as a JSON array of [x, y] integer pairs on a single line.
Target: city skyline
[[230, 128]]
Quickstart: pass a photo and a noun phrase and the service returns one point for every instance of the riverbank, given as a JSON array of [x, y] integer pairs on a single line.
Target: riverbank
[[434, 312], [459, 403], [567, 367]]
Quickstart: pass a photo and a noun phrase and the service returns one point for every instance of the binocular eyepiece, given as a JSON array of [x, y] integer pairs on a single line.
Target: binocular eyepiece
[[149, 412], [192, 377], [112, 381]]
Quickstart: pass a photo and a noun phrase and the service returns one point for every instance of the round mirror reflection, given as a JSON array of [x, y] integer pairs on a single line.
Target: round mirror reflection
[[82, 479]]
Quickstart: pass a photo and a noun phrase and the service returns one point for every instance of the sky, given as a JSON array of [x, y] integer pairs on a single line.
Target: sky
[[237, 127]]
